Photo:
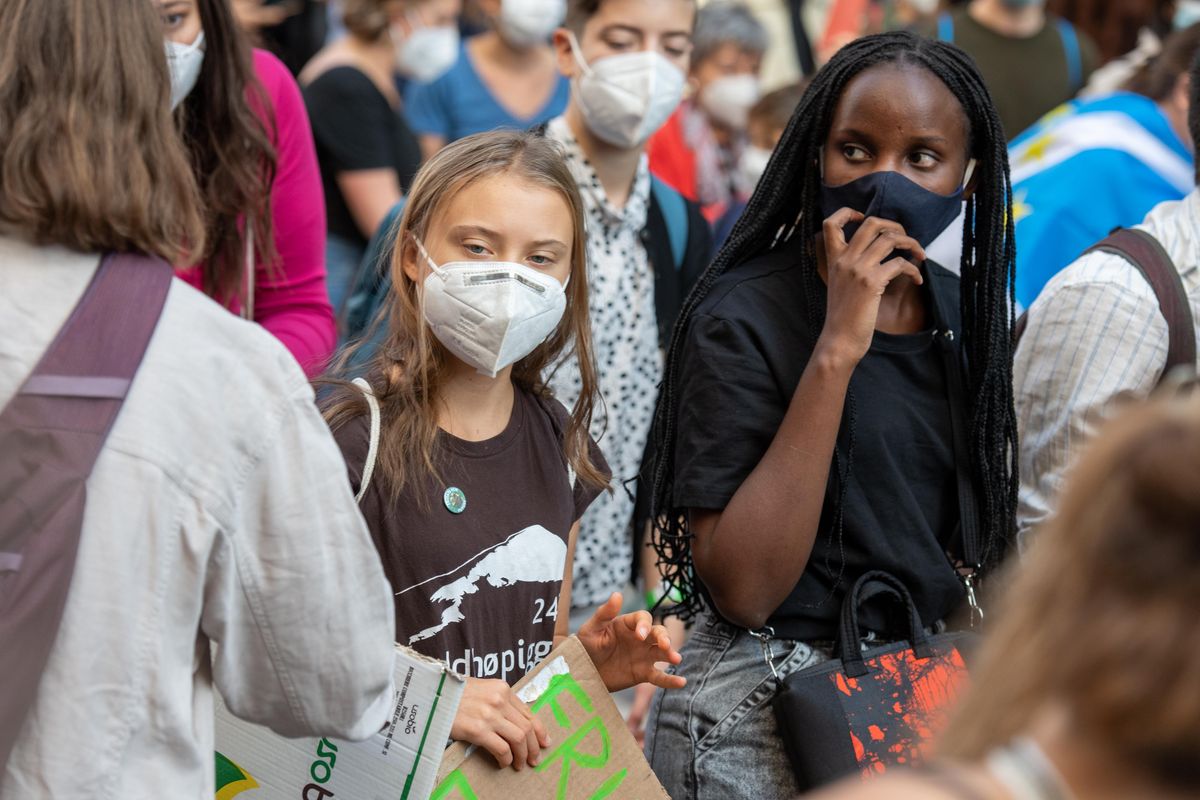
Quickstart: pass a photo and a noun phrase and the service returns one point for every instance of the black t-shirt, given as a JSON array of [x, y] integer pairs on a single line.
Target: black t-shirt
[[479, 588], [745, 350], [356, 128]]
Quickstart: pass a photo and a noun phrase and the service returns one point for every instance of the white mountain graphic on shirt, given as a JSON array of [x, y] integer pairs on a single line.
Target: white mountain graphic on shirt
[[532, 555]]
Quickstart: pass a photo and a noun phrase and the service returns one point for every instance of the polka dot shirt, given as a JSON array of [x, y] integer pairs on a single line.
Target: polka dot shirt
[[630, 363]]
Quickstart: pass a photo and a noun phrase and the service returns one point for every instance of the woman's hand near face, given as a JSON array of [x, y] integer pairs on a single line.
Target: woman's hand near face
[[858, 273], [492, 717]]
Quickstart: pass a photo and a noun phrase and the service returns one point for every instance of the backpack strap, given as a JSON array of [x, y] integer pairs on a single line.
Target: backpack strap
[[372, 441], [945, 27], [51, 434], [674, 211], [1147, 256], [1070, 43]]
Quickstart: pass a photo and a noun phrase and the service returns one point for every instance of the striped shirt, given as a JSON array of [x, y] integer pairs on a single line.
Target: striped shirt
[[1095, 338]]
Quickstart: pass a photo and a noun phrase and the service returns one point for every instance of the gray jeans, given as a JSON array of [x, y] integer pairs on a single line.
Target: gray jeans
[[717, 736]]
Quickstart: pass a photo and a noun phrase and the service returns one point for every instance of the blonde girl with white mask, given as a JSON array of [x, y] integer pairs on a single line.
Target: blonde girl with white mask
[[471, 476]]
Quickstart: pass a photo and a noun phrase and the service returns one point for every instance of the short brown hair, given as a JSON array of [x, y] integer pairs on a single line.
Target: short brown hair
[[89, 156], [579, 12], [368, 19], [775, 108], [1101, 616]]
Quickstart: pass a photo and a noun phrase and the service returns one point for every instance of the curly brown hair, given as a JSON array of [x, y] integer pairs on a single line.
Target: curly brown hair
[[1101, 616]]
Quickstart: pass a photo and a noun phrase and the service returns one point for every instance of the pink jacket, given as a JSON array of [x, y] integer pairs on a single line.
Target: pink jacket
[[294, 303]]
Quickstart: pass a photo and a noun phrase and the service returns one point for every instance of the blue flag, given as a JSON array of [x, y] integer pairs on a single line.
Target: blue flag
[[1084, 169]]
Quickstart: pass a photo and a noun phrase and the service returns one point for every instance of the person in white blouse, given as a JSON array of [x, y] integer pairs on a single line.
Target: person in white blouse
[[221, 547], [1096, 338]]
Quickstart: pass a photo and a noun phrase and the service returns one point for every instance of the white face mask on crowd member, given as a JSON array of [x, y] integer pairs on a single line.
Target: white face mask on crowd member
[[728, 99], [184, 62], [1187, 13], [525, 23], [752, 164], [425, 52], [490, 313], [625, 98]]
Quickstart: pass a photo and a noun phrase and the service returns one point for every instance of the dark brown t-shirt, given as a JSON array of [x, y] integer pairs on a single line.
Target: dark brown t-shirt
[[479, 589]]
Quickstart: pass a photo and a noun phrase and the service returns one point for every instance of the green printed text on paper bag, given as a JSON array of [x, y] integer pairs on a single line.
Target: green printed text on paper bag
[[592, 755], [398, 763]]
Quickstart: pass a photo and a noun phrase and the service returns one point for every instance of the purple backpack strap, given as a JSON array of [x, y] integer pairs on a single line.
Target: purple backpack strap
[[51, 434]]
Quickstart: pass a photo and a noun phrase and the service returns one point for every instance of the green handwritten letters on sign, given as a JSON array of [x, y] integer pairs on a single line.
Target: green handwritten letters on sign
[[584, 753]]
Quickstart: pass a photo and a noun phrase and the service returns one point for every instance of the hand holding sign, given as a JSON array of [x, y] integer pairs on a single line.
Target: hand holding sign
[[492, 717], [627, 649]]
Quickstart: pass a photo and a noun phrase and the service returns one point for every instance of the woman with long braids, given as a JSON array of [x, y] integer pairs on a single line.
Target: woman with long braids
[[834, 403], [247, 134]]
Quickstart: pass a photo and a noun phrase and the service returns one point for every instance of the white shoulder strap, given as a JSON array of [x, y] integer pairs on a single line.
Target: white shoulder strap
[[373, 446]]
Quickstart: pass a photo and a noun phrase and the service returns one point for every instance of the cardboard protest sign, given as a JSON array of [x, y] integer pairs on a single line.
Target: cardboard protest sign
[[398, 763], [592, 755]]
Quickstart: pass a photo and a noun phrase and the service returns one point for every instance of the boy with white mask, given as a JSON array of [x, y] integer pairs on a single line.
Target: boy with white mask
[[698, 150], [503, 79], [646, 246]]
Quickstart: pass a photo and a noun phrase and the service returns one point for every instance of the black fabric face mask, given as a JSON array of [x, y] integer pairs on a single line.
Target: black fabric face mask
[[889, 195]]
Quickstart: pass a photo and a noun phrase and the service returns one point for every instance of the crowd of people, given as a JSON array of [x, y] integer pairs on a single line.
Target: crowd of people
[[680, 316]]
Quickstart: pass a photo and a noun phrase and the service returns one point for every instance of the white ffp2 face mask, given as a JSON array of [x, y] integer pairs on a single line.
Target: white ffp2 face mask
[[184, 62], [525, 23], [427, 52], [728, 99], [491, 314], [627, 97], [751, 166]]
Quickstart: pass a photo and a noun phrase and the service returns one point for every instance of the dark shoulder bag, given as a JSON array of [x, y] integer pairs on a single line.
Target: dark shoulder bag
[[1148, 257], [51, 434], [870, 709]]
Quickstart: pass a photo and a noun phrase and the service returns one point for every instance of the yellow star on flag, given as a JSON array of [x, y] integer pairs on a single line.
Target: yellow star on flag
[[1036, 149], [1021, 209]]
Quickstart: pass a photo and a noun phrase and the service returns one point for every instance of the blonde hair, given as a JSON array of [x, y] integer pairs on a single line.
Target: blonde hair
[[1101, 616], [408, 367], [89, 156]]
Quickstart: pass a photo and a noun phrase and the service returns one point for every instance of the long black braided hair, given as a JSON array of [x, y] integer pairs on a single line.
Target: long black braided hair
[[787, 196]]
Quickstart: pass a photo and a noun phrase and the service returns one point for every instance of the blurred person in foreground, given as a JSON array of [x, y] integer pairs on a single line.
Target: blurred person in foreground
[[1089, 685], [221, 547]]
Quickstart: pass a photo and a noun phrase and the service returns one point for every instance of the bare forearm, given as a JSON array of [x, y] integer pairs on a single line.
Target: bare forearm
[[751, 555]]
